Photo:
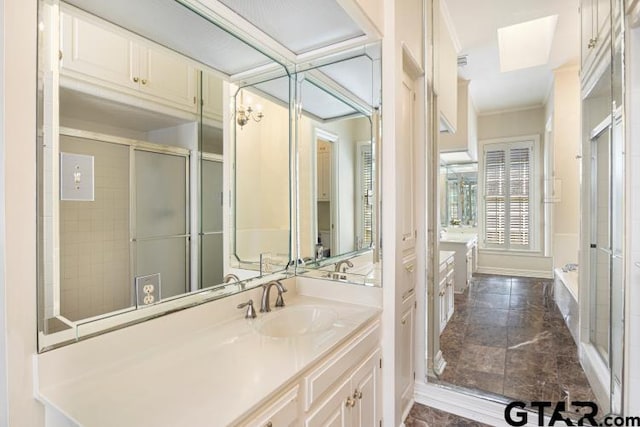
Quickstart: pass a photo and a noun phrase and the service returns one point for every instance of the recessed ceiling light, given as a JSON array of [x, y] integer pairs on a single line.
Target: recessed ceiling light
[[527, 44]]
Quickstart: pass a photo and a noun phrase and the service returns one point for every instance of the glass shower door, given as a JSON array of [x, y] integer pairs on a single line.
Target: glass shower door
[[211, 261], [161, 231], [601, 241]]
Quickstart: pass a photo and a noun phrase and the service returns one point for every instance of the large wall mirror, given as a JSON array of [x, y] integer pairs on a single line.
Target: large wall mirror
[[337, 172], [152, 185]]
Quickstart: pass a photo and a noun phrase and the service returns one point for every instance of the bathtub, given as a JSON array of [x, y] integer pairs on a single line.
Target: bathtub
[[565, 294]]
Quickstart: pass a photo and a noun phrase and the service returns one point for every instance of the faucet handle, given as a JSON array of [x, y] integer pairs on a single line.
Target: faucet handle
[[251, 312], [281, 290]]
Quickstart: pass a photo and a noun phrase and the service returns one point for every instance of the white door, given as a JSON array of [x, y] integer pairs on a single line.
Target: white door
[[212, 103], [407, 380]]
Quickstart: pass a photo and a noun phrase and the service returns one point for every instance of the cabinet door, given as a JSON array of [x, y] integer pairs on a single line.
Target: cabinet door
[[443, 309], [212, 102], [335, 411], [603, 13], [406, 367], [169, 77], [365, 382], [282, 413], [90, 49], [450, 296], [587, 30], [406, 166]]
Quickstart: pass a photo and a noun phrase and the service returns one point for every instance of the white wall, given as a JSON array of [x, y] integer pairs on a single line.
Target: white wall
[[262, 186], [510, 124], [19, 136], [566, 171]]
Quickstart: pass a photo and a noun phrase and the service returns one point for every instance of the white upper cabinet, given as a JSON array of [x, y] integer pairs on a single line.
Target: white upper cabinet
[[465, 139], [104, 55], [594, 25], [81, 56], [212, 102], [446, 77]]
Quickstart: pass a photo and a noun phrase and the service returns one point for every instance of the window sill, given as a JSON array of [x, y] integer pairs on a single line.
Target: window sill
[[516, 252]]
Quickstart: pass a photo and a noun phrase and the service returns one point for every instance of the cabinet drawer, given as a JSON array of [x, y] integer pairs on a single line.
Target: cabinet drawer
[[281, 413], [321, 379]]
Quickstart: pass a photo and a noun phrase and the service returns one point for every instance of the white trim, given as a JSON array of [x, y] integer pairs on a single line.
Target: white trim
[[535, 190], [448, 22], [334, 139], [465, 405], [541, 274], [511, 110]]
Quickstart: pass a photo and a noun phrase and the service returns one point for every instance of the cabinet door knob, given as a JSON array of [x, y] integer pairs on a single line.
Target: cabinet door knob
[[268, 424], [135, 80], [357, 394], [350, 403], [143, 81]]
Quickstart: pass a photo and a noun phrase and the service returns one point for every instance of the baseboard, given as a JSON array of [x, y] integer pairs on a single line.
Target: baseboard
[[467, 406], [541, 274]]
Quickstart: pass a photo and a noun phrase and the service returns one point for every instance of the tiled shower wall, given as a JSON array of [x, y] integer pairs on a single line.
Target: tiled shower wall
[[94, 236]]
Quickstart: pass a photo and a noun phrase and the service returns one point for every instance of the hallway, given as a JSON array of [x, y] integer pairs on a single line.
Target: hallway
[[507, 337]]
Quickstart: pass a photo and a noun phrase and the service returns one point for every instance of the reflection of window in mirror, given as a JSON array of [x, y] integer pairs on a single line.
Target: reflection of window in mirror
[[458, 198]]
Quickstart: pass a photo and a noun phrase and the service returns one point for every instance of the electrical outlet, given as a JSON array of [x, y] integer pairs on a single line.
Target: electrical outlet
[[147, 289]]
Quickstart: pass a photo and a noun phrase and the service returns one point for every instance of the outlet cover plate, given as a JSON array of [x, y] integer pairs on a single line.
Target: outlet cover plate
[[147, 289]]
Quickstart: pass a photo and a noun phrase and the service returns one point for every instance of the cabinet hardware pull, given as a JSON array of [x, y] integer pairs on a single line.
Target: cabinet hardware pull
[[410, 268], [350, 403], [403, 321], [357, 394], [269, 424], [143, 81], [135, 79]]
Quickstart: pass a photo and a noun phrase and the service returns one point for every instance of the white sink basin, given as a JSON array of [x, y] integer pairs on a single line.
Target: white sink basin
[[296, 320]]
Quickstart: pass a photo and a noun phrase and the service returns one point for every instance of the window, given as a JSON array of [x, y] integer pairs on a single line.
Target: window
[[507, 185]]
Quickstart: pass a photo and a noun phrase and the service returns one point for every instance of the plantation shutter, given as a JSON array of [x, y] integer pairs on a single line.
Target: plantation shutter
[[367, 193], [519, 183], [494, 206]]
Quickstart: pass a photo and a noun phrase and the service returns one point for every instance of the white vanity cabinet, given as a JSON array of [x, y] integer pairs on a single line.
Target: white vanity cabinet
[[446, 288], [283, 412], [96, 52], [343, 389], [466, 254], [355, 401]]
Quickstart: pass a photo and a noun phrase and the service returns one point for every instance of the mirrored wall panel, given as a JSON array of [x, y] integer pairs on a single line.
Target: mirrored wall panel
[[161, 174], [337, 170]]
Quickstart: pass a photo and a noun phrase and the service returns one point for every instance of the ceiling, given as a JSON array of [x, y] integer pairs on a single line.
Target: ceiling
[[476, 24]]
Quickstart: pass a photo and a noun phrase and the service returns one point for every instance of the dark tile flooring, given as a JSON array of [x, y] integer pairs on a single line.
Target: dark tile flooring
[[424, 416], [507, 337]]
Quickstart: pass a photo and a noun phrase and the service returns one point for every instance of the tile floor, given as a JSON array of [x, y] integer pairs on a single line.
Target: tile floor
[[507, 337], [424, 416]]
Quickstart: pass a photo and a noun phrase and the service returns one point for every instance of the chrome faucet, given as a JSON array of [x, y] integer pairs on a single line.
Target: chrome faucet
[[264, 306], [230, 277], [344, 261]]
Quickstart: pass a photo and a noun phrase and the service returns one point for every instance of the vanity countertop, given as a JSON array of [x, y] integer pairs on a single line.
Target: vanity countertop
[[212, 378], [465, 238]]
